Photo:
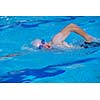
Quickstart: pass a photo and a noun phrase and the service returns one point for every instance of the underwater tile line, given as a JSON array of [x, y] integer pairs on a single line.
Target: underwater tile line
[[17, 76]]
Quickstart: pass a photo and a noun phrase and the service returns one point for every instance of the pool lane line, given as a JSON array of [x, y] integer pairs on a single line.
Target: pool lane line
[[13, 55]]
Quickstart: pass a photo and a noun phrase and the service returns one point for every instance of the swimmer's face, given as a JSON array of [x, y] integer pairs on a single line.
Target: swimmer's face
[[40, 44], [47, 46], [44, 44]]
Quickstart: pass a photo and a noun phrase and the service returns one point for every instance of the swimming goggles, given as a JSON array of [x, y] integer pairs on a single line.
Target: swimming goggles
[[42, 43]]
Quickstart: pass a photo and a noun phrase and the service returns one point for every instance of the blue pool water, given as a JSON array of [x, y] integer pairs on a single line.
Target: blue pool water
[[77, 65]]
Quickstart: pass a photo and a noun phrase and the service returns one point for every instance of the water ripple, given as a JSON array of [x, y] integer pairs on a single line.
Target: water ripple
[[31, 23]]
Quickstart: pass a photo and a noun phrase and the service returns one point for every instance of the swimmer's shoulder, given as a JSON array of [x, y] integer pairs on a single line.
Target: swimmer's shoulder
[[50, 43]]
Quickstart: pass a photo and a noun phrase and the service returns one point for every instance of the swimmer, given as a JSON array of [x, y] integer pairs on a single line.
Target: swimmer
[[59, 38]]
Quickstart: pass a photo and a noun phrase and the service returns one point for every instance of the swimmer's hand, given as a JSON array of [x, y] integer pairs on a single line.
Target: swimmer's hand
[[67, 45], [90, 39]]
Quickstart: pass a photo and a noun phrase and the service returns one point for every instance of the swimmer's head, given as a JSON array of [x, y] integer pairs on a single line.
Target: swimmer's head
[[38, 43]]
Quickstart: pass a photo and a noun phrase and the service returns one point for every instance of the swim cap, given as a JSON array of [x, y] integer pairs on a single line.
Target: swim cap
[[36, 43]]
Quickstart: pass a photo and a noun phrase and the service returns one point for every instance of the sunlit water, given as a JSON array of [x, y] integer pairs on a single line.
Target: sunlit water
[[59, 65]]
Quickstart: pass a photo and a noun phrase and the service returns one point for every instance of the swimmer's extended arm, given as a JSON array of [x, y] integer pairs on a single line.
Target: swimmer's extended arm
[[74, 28], [64, 33]]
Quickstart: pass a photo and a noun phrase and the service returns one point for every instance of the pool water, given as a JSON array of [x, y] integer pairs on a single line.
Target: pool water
[[31, 65]]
